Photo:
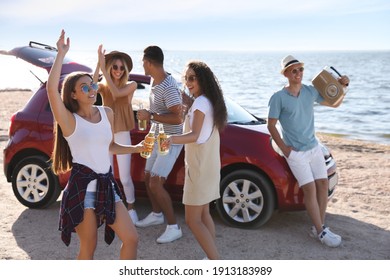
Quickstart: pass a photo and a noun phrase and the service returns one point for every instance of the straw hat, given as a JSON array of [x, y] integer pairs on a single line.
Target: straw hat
[[288, 61], [126, 57]]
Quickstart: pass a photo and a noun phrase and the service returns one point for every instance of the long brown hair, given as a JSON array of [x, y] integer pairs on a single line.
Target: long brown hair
[[61, 156], [211, 88]]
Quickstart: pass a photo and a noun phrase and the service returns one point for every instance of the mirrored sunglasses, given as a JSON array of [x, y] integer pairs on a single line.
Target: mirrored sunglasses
[[86, 88]]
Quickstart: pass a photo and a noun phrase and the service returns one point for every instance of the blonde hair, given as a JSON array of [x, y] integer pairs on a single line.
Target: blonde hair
[[123, 80]]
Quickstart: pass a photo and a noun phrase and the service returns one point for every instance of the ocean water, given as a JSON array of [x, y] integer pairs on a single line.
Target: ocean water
[[250, 78]]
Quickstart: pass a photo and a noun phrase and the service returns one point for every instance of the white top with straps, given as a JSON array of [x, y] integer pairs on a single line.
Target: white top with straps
[[89, 143]]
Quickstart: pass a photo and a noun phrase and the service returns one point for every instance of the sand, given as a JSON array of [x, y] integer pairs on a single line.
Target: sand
[[359, 212]]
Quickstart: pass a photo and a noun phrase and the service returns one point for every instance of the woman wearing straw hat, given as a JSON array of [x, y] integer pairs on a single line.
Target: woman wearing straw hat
[[117, 93], [293, 107]]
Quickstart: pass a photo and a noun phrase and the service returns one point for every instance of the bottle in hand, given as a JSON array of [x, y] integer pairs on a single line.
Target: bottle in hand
[[160, 139], [142, 124], [149, 142]]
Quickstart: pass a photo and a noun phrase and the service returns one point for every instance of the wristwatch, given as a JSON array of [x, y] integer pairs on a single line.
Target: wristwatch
[[151, 116]]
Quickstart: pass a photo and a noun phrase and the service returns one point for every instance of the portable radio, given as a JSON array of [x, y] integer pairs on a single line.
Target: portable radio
[[327, 85]]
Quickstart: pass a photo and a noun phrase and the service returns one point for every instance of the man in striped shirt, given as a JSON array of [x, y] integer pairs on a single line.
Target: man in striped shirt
[[166, 108]]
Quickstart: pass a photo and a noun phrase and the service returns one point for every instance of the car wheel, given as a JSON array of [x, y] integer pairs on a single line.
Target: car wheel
[[34, 184], [247, 199]]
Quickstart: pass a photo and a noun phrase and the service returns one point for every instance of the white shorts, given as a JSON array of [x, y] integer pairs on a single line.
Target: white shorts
[[307, 166]]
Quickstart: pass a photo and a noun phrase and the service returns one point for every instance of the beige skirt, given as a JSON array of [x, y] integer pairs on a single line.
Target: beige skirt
[[203, 167]]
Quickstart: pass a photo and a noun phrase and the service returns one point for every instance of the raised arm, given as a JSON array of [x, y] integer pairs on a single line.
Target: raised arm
[[95, 77], [62, 115], [116, 92]]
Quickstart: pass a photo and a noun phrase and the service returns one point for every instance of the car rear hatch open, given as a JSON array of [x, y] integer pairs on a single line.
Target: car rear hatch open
[[43, 56]]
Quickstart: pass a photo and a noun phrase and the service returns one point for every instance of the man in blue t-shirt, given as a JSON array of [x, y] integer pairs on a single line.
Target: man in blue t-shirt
[[293, 107]]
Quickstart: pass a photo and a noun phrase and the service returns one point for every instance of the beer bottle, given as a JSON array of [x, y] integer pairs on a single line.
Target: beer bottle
[[142, 124], [160, 139], [149, 142]]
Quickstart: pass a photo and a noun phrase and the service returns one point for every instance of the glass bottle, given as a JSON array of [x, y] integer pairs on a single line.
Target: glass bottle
[[160, 139], [142, 124], [149, 142]]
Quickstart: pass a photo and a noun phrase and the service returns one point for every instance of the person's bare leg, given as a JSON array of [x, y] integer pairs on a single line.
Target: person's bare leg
[[87, 233], [322, 197], [311, 203], [155, 206], [124, 228], [208, 220], [162, 198], [206, 238]]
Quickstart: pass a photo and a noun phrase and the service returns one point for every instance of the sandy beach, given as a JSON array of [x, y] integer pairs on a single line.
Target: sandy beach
[[359, 212]]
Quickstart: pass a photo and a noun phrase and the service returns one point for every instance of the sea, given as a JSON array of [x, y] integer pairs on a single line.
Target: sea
[[250, 78]]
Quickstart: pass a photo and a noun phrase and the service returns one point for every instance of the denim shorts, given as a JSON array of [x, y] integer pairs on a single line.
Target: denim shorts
[[89, 200], [161, 165]]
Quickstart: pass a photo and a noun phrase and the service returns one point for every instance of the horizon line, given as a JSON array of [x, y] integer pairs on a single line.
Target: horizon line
[[261, 50]]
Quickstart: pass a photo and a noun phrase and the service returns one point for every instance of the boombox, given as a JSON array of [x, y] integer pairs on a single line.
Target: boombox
[[327, 85]]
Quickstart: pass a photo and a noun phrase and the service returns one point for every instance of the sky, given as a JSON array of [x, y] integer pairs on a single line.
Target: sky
[[243, 25]]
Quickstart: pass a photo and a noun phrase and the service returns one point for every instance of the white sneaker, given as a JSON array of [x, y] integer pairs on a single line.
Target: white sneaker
[[133, 215], [170, 234], [331, 233], [150, 220], [329, 238], [313, 232]]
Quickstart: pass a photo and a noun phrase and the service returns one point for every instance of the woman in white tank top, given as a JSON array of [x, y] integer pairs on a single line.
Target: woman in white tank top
[[83, 143]]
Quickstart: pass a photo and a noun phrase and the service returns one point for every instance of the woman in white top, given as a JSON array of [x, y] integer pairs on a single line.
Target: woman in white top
[[117, 93], [205, 119], [83, 142]]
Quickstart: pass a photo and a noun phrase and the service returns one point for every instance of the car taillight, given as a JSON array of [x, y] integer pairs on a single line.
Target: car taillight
[[11, 125]]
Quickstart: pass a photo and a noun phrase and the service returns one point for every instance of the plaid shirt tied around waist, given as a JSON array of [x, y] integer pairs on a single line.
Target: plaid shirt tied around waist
[[72, 204]]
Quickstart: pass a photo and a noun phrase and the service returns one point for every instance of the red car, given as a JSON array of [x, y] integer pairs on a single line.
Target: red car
[[255, 178]]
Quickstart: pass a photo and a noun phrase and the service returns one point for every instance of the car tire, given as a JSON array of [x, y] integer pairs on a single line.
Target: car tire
[[34, 184], [247, 199]]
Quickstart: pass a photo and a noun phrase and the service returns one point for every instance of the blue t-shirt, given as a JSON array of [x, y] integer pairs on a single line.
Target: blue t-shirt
[[296, 116]]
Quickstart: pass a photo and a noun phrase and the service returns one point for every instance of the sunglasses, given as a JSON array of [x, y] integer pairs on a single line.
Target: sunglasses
[[86, 88], [296, 70], [190, 78], [116, 67]]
